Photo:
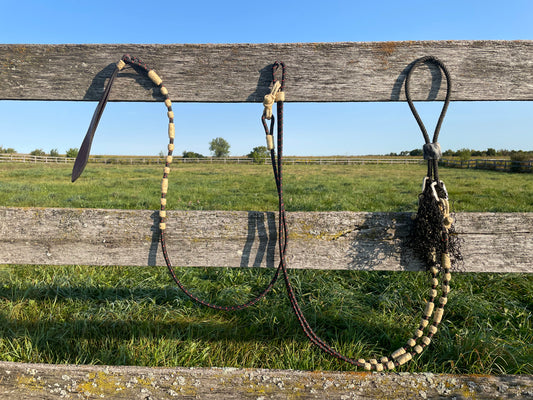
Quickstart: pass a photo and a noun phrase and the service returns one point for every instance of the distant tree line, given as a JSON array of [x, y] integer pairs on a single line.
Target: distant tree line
[[466, 154]]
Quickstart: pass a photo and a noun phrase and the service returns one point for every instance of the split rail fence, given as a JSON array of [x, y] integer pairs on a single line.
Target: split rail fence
[[343, 72]]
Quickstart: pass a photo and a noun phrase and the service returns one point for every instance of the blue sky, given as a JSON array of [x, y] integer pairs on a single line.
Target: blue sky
[[334, 129]]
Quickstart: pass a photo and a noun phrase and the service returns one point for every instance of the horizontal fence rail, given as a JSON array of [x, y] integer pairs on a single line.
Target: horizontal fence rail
[[492, 242], [495, 165], [324, 72]]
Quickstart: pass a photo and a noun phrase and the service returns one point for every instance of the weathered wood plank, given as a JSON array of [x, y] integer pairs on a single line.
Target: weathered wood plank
[[366, 71], [492, 242], [46, 382]]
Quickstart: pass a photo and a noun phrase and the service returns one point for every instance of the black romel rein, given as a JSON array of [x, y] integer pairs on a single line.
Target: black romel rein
[[430, 235]]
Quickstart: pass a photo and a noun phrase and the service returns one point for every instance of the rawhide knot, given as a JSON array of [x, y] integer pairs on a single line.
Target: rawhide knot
[[271, 98], [432, 151]]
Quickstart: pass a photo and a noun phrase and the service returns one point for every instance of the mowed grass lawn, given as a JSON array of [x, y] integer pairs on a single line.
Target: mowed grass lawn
[[135, 316]]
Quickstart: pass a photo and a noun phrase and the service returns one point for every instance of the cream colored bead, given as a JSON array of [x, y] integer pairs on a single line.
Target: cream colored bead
[[398, 353], [270, 142], [367, 366], [170, 114], [390, 365], [443, 300], [162, 214], [168, 102], [162, 226], [433, 293], [429, 309], [121, 64], [404, 358], [384, 360], [446, 263], [434, 271], [373, 361], [379, 367], [164, 185], [171, 147], [438, 315], [154, 77], [426, 340], [447, 277], [432, 329], [418, 333], [164, 91], [169, 159], [424, 322], [280, 96], [163, 201], [418, 349], [166, 170], [361, 361], [171, 130], [434, 282], [445, 289], [411, 342]]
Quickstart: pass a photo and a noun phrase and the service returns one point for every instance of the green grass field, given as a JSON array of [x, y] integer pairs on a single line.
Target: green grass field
[[135, 316]]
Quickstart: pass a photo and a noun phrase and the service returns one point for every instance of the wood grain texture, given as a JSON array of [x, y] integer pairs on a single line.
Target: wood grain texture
[[316, 72], [20, 381], [491, 242]]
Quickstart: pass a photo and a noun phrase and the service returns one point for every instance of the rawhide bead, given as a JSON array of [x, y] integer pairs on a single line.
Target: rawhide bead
[[447, 277], [379, 367], [411, 342], [373, 361], [443, 300], [169, 159], [432, 329], [168, 102], [162, 214], [445, 289], [171, 130], [171, 147], [438, 315], [121, 64], [434, 282], [162, 226], [418, 349], [398, 353], [170, 114], [270, 142], [424, 322], [367, 366], [433, 293], [384, 360], [164, 185], [445, 260], [429, 309], [361, 361], [166, 170], [419, 333], [426, 340], [280, 96], [434, 271], [163, 201], [164, 91], [154, 77], [404, 358], [390, 365]]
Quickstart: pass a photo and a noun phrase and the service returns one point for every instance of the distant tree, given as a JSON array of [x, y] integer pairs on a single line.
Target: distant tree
[[258, 153], [72, 153], [404, 153], [9, 150], [491, 152], [416, 152], [478, 153], [219, 147], [464, 154], [393, 154], [54, 153], [192, 154], [448, 153], [38, 152]]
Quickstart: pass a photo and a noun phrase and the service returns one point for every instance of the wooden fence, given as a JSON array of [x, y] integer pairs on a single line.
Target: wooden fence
[[482, 70]]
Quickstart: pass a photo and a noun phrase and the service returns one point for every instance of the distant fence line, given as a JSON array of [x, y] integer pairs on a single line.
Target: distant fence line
[[496, 165]]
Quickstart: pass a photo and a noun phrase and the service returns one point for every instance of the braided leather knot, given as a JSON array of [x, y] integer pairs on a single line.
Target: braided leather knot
[[269, 100]]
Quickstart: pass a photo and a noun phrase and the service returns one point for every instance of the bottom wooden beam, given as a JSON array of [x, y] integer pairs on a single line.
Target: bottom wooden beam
[[20, 381]]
